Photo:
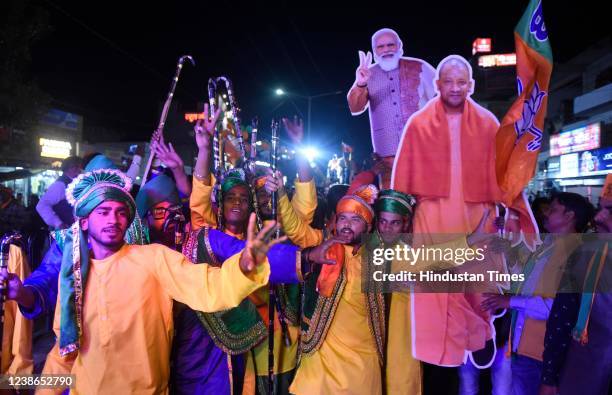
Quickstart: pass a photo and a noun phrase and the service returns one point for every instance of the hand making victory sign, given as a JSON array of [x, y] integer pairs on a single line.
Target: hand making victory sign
[[363, 71], [257, 245], [204, 128]]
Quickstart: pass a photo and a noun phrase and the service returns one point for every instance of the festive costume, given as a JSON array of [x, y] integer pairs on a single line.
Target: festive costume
[[114, 315]]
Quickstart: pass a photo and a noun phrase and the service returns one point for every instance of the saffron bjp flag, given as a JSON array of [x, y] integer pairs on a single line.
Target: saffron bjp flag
[[519, 138]]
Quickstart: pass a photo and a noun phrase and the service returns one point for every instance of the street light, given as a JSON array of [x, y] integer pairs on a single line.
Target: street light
[[280, 92]]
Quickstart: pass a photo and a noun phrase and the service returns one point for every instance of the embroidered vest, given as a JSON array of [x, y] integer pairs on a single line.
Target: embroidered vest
[[393, 97]]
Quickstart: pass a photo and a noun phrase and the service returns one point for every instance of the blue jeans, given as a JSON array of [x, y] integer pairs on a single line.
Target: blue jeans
[[526, 375], [501, 376]]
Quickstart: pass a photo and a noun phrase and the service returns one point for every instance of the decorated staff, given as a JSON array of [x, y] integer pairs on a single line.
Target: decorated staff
[[217, 154], [212, 91], [162, 121], [234, 111], [254, 125], [272, 293], [213, 84]]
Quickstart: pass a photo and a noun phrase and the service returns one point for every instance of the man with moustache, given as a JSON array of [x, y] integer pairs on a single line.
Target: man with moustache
[[114, 311], [243, 329], [200, 201], [198, 365], [393, 89], [577, 348], [339, 353], [344, 326], [530, 300]]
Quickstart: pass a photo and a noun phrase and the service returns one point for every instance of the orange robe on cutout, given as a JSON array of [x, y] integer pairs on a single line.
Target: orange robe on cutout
[[448, 162]]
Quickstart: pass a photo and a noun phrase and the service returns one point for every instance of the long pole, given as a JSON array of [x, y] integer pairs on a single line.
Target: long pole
[[272, 294], [162, 120]]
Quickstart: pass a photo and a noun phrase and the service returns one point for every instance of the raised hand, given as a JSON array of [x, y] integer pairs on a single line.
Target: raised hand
[[274, 183], [295, 129], [495, 302], [480, 235], [14, 289], [318, 254], [362, 75], [257, 246], [167, 155], [512, 227], [204, 128]]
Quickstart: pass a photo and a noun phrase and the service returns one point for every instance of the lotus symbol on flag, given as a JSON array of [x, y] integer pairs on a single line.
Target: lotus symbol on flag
[[525, 124]]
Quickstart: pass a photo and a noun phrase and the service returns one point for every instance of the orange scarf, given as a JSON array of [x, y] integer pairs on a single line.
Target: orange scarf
[[422, 164]]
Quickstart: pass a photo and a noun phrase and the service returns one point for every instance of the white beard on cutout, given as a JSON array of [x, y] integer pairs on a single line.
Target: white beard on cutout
[[388, 64]]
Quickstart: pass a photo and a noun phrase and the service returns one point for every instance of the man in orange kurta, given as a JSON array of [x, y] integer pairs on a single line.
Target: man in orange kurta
[[446, 159]]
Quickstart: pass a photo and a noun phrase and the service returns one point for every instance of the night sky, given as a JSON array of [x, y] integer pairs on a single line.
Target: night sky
[[113, 61]]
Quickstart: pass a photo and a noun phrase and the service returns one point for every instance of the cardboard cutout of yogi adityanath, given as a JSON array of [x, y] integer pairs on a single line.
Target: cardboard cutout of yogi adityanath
[[392, 89], [446, 159]]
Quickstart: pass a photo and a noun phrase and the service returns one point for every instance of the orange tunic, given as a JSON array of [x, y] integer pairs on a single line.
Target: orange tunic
[[448, 325], [347, 362]]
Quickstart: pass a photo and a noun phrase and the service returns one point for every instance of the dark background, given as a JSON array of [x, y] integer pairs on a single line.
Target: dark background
[[113, 61]]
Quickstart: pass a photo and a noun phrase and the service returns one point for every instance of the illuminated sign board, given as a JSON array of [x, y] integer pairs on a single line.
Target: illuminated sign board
[[62, 119], [581, 139], [191, 117], [481, 45], [554, 166], [55, 148], [498, 60], [569, 166], [596, 162]]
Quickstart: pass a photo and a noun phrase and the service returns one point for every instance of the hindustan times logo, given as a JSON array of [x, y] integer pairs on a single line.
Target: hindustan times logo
[[405, 253]]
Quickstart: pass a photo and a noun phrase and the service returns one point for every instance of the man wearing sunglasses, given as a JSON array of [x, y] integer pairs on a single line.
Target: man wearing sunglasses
[[198, 364], [157, 201]]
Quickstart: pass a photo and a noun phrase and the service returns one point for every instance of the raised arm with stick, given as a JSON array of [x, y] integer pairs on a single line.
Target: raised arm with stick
[[272, 290], [159, 132]]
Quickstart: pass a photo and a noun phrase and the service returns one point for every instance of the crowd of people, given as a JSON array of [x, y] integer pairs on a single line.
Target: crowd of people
[[164, 287]]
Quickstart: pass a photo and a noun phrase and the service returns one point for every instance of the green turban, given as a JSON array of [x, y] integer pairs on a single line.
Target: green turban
[[100, 162], [159, 189], [233, 178], [85, 193], [391, 201]]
